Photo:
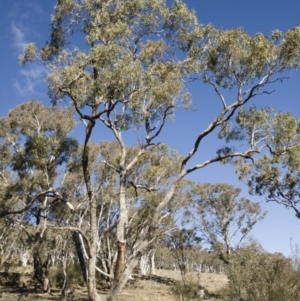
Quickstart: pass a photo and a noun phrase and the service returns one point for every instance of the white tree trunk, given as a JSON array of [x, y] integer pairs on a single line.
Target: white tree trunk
[[144, 264], [153, 272], [24, 257]]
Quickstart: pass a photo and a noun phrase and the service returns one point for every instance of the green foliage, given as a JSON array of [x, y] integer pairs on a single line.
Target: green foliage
[[183, 245], [275, 174], [35, 142], [188, 290], [255, 275], [221, 215], [74, 275], [252, 125], [131, 75], [29, 55], [123, 65], [289, 53], [234, 57]]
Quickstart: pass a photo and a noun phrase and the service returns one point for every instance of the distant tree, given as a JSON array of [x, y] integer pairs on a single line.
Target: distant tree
[[221, 215], [181, 243], [136, 56]]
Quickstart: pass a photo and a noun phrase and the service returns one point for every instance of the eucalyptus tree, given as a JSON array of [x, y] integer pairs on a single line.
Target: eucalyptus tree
[[75, 216], [130, 74], [8, 241], [276, 174], [104, 158], [183, 243], [34, 142], [143, 193], [222, 217]]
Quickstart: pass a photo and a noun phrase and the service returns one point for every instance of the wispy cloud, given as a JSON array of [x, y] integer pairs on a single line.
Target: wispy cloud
[[23, 21], [30, 78], [18, 37]]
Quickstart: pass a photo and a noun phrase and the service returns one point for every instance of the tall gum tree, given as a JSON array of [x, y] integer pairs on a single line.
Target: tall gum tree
[[34, 142], [131, 74]]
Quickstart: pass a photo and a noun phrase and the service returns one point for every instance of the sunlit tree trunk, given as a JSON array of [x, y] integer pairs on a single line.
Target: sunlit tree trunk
[[92, 288], [153, 272], [93, 235], [40, 265], [117, 289], [121, 243]]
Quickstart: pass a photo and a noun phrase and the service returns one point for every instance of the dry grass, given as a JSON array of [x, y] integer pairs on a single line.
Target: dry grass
[[146, 290], [136, 290], [210, 281]]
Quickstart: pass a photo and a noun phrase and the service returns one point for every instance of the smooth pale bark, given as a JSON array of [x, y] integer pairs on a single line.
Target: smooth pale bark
[[144, 264], [93, 235], [153, 271], [93, 294], [40, 265], [24, 257], [123, 220]]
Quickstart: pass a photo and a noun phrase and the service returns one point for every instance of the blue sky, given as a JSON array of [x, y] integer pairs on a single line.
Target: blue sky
[[25, 21]]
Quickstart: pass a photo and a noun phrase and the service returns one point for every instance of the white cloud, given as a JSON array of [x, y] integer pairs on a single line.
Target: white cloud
[[36, 72], [18, 37], [24, 18], [30, 78]]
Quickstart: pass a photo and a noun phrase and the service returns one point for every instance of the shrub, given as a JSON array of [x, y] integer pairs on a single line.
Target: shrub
[[74, 276], [255, 275], [188, 289]]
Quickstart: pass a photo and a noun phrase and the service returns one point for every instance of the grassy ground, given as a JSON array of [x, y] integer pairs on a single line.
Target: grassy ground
[[136, 290], [146, 290]]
